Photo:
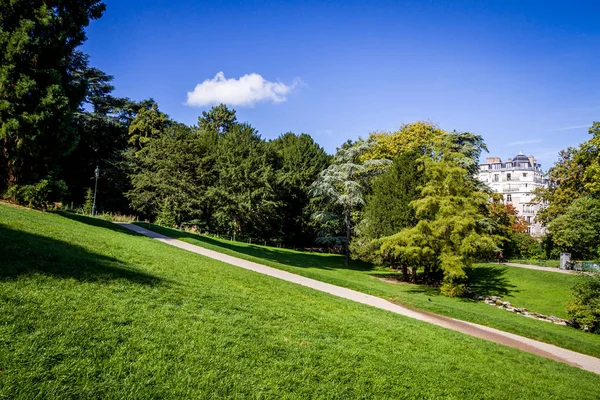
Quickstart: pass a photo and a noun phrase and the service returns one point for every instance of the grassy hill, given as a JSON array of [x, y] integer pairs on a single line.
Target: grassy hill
[[540, 291], [90, 310]]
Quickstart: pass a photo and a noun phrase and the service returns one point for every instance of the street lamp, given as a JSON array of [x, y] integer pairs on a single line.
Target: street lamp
[[97, 173]]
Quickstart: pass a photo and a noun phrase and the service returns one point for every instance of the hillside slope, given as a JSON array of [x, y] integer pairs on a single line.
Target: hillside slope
[[90, 310]]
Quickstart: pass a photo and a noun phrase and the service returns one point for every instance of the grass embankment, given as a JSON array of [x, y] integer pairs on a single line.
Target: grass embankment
[[543, 292], [89, 310]]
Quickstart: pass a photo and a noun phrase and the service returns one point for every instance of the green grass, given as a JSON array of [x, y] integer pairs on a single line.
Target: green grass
[[540, 291], [539, 263], [89, 310]]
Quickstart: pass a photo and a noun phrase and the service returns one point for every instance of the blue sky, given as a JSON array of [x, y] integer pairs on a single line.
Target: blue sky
[[524, 74]]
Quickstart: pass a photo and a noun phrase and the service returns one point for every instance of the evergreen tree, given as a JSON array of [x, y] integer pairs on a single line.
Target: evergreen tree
[[344, 183], [452, 228], [243, 199], [299, 162], [41, 84]]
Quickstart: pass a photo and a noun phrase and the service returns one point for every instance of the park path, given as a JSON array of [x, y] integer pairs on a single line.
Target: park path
[[536, 267], [546, 350]]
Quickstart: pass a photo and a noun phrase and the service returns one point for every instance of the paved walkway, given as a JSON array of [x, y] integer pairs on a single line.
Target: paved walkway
[[532, 346], [547, 269]]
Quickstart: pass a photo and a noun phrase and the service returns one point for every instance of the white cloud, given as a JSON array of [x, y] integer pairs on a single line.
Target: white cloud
[[568, 128], [245, 91]]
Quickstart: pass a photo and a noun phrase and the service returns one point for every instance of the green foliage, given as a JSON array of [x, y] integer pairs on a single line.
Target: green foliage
[[523, 246], [575, 174], [41, 84], [299, 161], [38, 195], [450, 233], [166, 215], [585, 307], [387, 209], [243, 199], [218, 120], [577, 230], [148, 124], [88, 204], [344, 183], [173, 167]]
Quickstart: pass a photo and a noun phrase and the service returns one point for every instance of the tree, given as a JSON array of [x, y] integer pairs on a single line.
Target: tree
[[299, 162], [172, 176], [218, 120], [148, 124], [41, 85], [451, 231], [243, 199], [575, 174], [417, 137], [387, 209], [344, 182], [585, 307], [578, 229]]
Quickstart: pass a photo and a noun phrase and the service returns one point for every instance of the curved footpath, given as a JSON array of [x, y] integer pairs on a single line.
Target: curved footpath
[[575, 359], [538, 268]]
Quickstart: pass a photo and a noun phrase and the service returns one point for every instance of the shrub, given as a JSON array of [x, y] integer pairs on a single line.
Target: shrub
[[585, 307], [166, 216], [89, 202], [38, 195]]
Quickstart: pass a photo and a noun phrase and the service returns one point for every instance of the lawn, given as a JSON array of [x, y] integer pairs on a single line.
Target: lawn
[[540, 291], [540, 263], [89, 310]]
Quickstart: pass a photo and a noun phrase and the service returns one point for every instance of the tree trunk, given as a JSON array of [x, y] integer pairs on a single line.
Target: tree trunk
[[348, 230], [404, 273], [414, 274]]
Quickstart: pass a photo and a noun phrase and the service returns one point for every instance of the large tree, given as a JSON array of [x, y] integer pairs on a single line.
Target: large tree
[[345, 182], [387, 209], [577, 230], [299, 161], [243, 198], [172, 176], [575, 174], [41, 84], [452, 227]]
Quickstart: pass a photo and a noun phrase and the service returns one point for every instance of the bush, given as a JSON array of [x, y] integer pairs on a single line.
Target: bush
[[166, 216], [88, 205], [585, 307], [39, 195]]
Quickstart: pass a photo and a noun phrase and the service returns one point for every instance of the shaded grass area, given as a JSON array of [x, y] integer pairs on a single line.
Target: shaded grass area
[[540, 291], [92, 311]]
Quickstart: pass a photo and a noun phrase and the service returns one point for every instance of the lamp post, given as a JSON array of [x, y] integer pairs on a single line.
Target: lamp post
[[97, 173]]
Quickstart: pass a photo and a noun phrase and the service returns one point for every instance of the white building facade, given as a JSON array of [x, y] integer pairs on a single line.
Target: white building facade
[[515, 179]]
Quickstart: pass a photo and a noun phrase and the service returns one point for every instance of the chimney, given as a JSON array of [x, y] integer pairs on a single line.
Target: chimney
[[532, 161], [493, 160]]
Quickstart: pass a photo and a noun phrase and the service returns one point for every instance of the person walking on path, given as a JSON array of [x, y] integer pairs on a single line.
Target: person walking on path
[[500, 258]]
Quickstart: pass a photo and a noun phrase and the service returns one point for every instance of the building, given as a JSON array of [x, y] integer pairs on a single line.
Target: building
[[516, 179]]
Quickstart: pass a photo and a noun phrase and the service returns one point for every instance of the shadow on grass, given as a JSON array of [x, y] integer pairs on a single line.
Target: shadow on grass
[[281, 256], [26, 253], [490, 280], [100, 223]]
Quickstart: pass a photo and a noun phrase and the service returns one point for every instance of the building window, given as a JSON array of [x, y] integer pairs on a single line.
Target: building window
[[509, 197], [528, 219], [525, 175], [508, 165], [508, 177], [496, 177]]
